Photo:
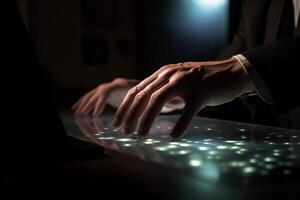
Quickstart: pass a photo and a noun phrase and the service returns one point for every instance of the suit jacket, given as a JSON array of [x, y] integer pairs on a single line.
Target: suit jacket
[[261, 38]]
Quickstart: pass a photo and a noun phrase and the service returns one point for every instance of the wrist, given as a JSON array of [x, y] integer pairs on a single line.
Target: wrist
[[243, 78]]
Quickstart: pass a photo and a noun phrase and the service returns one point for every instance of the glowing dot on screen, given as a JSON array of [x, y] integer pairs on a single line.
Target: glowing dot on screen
[[252, 160], [196, 127], [221, 147], [209, 129], [127, 145], [172, 146], [158, 127], [239, 143], [230, 141], [169, 127], [124, 139], [184, 145], [269, 159], [294, 136], [242, 130], [161, 148], [174, 143], [101, 132], [135, 133], [203, 148], [115, 130], [212, 152], [287, 143], [105, 128], [248, 170], [239, 152], [286, 172], [182, 152], [148, 142], [235, 147], [195, 163], [237, 164], [276, 154]]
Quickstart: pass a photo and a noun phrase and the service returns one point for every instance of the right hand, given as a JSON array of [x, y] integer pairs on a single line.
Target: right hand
[[112, 93]]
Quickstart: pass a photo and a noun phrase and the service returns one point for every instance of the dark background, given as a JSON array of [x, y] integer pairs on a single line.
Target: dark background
[[88, 42]]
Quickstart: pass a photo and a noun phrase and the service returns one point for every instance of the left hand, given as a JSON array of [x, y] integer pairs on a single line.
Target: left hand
[[197, 84]]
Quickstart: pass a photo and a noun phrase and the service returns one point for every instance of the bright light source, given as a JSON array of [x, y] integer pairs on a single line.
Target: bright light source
[[210, 4]]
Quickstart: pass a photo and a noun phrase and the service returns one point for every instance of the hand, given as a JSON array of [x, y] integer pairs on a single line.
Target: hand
[[197, 84], [111, 93]]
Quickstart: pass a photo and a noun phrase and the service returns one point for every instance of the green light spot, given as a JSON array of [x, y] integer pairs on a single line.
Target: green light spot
[[235, 147], [237, 164], [195, 163], [147, 142], [161, 148], [230, 141], [248, 170], [203, 148], [252, 160], [174, 143], [269, 159], [172, 146], [221, 147], [184, 145], [124, 140], [212, 152], [183, 152]]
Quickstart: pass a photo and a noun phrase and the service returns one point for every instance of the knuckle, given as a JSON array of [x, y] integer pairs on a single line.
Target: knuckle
[[133, 90], [156, 96], [141, 95]]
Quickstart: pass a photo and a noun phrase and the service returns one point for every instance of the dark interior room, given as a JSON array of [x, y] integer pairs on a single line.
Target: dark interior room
[[148, 99]]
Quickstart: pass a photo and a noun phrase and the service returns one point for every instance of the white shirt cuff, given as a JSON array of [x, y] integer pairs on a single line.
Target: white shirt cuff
[[262, 89]]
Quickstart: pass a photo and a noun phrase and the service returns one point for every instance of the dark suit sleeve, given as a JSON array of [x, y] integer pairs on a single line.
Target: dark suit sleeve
[[278, 65]]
